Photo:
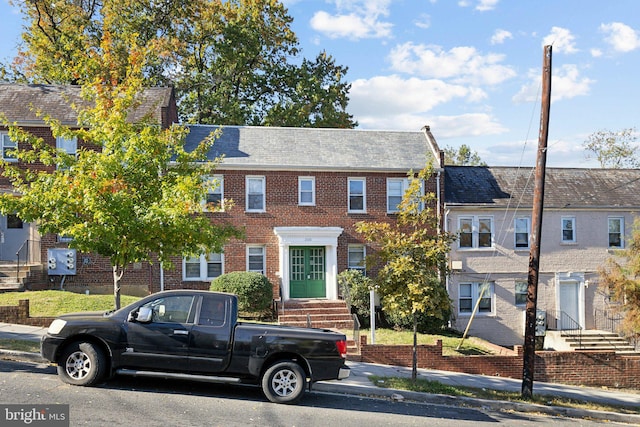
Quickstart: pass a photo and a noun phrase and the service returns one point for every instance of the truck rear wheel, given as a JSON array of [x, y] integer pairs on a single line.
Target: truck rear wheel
[[82, 363], [284, 382]]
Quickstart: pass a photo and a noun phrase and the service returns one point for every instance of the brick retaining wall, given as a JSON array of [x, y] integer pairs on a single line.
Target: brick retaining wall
[[596, 369], [20, 315]]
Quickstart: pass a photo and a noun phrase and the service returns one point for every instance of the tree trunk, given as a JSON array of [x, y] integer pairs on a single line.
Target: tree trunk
[[116, 285], [414, 369]]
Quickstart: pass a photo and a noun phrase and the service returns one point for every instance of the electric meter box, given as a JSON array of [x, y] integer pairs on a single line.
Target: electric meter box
[[61, 262]]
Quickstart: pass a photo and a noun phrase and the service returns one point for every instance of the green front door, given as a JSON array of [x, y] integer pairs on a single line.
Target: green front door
[[307, 277]]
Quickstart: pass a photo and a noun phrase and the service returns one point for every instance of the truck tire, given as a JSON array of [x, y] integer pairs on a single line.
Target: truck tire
[[82, 363], [284, 382]]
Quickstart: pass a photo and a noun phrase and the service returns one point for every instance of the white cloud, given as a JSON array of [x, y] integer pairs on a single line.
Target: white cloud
[[485, 5], [561, 39], [499, 36], [465, 125], [354, 19], [566, 83], [596, 53], [423, 21], [462, 64], [620, 36]]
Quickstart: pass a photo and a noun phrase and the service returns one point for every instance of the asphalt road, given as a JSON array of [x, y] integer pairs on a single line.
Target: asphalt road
[[146, 402]]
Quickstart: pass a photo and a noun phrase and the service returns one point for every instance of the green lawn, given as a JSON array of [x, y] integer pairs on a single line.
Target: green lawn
[[54, 303]]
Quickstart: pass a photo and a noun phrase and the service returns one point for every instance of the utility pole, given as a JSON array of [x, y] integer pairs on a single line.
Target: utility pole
[[536, 230]]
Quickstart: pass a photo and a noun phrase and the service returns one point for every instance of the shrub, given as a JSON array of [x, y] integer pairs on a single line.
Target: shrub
[[355, 288], [254, 291], [426, 323]]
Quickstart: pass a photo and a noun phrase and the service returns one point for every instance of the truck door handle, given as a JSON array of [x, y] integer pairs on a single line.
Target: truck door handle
[[180, 332]]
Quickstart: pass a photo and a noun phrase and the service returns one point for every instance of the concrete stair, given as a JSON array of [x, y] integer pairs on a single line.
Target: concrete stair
[[590, 340], [11, 280], [316, 313]]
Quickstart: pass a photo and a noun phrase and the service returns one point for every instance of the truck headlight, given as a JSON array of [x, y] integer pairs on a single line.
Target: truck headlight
[[56, 326]]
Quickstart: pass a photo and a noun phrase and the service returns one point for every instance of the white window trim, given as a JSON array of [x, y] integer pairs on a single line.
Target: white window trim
[[264, 193], [573, 222], [203, 270], [313, 190], [362, 268], [515, 232], [364, 195], [5, 137], [475, 293], [214, 182], [264, 258], [475, 232], [622, 239]]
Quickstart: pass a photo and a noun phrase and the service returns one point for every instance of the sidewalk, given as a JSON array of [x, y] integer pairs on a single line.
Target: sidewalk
[[359, 384]]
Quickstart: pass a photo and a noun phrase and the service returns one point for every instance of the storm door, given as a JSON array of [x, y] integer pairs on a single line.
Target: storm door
[[307, 276]]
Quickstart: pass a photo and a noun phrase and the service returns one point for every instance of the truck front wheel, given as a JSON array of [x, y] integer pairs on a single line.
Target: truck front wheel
[[284, 382], [82, 363]]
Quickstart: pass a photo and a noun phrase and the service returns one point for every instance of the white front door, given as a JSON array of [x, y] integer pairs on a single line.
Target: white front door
[[570, 302], [13, 234]]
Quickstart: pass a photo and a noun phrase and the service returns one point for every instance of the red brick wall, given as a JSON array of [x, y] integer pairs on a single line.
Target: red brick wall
[[576, 368], [20, 315]]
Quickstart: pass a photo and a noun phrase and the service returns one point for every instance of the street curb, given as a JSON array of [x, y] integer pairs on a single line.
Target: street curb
[[437, 399], [494, 405]]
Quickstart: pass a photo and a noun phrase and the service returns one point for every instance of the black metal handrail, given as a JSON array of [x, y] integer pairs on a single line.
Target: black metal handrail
[[608, 321], [561, 321], [25, 252]]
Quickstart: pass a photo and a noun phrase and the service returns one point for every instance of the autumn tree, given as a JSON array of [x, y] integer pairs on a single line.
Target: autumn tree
[[621, 279], [135, 197], [231, 61], [463, 156], [411, 256], [613, 149]]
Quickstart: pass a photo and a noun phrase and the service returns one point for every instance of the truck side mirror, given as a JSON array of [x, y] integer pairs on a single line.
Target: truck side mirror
[[142, 315]]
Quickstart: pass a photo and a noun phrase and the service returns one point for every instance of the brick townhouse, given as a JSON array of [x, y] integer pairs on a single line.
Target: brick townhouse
[[296, 192], [588, 216]]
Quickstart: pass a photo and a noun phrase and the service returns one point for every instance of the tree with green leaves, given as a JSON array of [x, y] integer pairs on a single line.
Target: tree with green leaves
[[411, 256], [135, 197], [232, 62], [613, 149], [463, 156], [621, 279]]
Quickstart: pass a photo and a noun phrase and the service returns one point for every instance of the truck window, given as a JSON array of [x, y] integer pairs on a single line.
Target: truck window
[[171, 309], [213, 311]]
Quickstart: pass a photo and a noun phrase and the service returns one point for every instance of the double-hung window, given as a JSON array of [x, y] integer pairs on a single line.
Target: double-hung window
[[68, 146], [616, 232], [356, 257], [522, 228], [521, 292], [8, 148], [395, 191], [215, 193], [306, 191], [357, 195], [475, 232], [256, 259], [255, 193], [568, 229], [203, 267], [472, 294]]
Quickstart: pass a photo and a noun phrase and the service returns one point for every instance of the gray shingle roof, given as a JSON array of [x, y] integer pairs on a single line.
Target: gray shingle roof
[[251, 147], [19, 103], [576, 188]]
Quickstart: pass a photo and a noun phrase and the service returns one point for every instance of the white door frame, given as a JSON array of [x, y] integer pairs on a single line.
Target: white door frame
[[309, 236], [577, 280]]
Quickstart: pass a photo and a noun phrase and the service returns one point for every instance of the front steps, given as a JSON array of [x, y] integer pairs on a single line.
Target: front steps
[[315, 313], [13, 280], [590, 340]]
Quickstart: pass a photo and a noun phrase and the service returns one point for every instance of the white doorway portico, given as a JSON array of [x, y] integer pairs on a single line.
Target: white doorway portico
[[313, 237]]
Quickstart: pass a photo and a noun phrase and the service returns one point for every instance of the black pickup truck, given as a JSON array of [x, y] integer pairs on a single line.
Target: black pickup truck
[[193, 335]]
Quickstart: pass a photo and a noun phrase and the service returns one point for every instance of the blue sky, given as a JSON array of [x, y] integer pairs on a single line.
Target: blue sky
[[471, 69]]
